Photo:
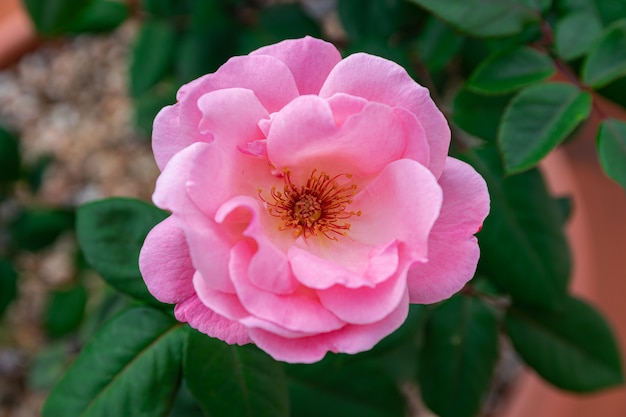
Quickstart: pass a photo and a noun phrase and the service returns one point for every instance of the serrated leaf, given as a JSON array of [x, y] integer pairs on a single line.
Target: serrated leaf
[[479, 115], [568, 42], [8, 284], [340, 386], [511, 70], [612, 149], [130, 368], [523, 247], [572, 348], [110, 233], [606, 61], [53, 17], [538, 119], [484, 17], [234, 381], [458, 357], [151, 55]]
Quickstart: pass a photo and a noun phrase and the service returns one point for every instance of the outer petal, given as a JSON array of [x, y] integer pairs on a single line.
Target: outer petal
[[304, 135], [453, 249], [309, 59], [165, 263], [402, 204], [378, 79], [207, 321]]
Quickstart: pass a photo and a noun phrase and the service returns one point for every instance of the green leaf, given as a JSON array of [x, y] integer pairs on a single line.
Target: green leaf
[[34, 229], [230, 380], [111, 233], [606, 61], [572, 348], [485, 17], [53, 17], [511, 70], [9, 156], [101, 16], [151, 55], [149, 103], [479, 115], [568, 42], [538, 119], [167, 9], [523, 248], [65, 310], [458, 357], [342, 386], [437, 44], [48, 365], [612, 149], [369, 19], [130, 368], [8, 284], [284, 21]]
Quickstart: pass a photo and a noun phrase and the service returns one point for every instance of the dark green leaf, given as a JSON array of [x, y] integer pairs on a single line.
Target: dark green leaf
[[572, 348], [339, 387], [53, 17], [234, 381], [149, 103], [8, 284], [110, 234], [538, 119], [484, 17], [185, 405], [612, 149], [9, 156], [130, 368], [523, 248], [479, 115], [568, 42], [167, 9], [606, 61], [458, 357], [34, 229], [284, 21], [65, 310], [437, 44], [511, 70], [151, 55], [610, 11], [369, 19], [101, 16]]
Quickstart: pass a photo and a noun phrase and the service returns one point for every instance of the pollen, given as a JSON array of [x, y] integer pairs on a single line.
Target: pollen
[[317, 208]]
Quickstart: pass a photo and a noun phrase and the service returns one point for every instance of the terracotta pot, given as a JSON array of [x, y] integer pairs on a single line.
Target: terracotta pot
[[597, 233], [17, 34]]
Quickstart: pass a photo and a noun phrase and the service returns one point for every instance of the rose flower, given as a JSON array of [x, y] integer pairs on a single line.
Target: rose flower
[[312, 200]]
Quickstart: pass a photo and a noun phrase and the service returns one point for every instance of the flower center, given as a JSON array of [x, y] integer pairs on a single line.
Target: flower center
[[317, 208]]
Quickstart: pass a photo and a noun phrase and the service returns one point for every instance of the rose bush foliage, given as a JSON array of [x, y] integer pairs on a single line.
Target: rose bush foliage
[[312, 200]]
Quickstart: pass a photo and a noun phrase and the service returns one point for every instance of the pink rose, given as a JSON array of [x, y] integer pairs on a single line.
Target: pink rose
[[312, 200]]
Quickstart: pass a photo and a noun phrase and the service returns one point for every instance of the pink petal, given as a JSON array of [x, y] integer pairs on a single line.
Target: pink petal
[[309, 59], [304, 135], [365, 305], [300, 311], [380, 80], [166, 140], [206, 321], [165, 263], [344, 106], [402, 204], [417, 147], [346, 263], [292, 350], [453, 249]]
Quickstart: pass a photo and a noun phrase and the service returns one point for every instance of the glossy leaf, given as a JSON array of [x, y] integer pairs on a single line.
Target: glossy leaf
[[568, 42], [484, 17], [234, 381], [572, 348], [458, 357], [342, 386], [437, 44], [606, 61], [65, 310], [110, 233], [479, 115], [511, 70], [130, 368], [101, 16], [52, 17], [9, 156], [151, 55], [523, 248], [612, 149], [8, 284], [538, 119]]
